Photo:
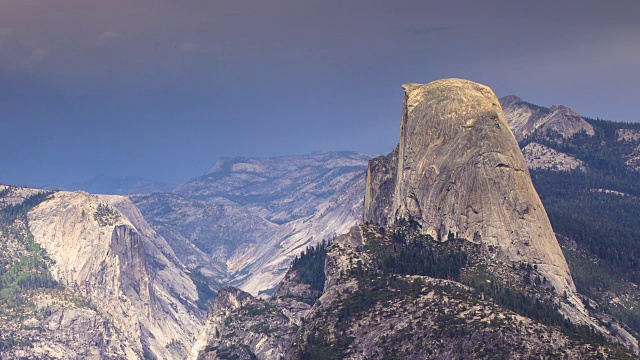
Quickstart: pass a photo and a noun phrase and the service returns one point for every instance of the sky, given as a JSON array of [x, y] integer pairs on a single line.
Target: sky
[[161, 89]]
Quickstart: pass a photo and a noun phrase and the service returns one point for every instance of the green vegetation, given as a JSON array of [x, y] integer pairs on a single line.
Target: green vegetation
[[600, 231], [406, 251], [424, 256], [10, 213], [539, 308], [24, 274], [604, 226], [589, 274], [310, 265], [105, 215], [27, 268], [318, 347], [263, 328], [600, 284], [30, 272], [260, 308]]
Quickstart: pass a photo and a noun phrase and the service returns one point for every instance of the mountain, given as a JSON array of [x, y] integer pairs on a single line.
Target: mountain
[[244, 222], [433, 281], [460, 170], [281, 189], [526, 118], [590, 186], [371, 311], [107, 286], [91, 276], [119, 185]]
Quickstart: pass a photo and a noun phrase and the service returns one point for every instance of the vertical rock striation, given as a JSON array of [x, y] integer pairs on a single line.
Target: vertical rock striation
[[380, 186], [459, 170]]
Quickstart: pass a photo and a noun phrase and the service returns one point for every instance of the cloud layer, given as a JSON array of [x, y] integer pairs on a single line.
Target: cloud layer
[[160, 88]]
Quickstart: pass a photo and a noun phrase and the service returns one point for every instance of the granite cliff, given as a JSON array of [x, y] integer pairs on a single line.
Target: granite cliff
[[112, 272], [460, 171]]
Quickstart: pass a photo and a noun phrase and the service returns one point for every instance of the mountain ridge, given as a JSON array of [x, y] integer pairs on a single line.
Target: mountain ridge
[[378, 281], [103, 252], [252, 216], [292, 223]]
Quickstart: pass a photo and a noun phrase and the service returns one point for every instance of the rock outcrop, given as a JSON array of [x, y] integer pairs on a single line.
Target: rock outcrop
[[103, 250], [70, 330], [525, 119], [38, 318], [460, 171], [241, 326], [365, 314], [381, 184], [541, 157], [630, 135], [633, 160]]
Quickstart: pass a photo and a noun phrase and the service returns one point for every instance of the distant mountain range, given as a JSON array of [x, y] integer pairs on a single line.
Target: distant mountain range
[[118, 185], [243, 222], [587, 174]]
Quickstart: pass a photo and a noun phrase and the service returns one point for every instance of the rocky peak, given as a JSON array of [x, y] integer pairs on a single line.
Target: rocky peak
[[230, 298], [564, 110], [510, 100], [460, 170], [525, 119], [566, 122], [103, 249]]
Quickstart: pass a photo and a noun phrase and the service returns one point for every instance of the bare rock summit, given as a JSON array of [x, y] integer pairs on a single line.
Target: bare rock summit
[[459, 170], [525, 119]]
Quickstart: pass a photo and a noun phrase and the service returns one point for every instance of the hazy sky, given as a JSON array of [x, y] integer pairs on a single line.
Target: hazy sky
[[162, 88]]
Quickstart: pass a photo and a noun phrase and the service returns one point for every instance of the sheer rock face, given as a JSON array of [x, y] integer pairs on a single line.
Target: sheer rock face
[[104, 250], [381, 183], [460, 170]]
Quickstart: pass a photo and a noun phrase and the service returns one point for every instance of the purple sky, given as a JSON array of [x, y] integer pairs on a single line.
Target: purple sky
[[161, 88]]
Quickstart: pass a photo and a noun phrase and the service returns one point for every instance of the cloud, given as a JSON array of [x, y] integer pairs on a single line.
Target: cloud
[[186, 47], [108, 38], [37, 56]]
